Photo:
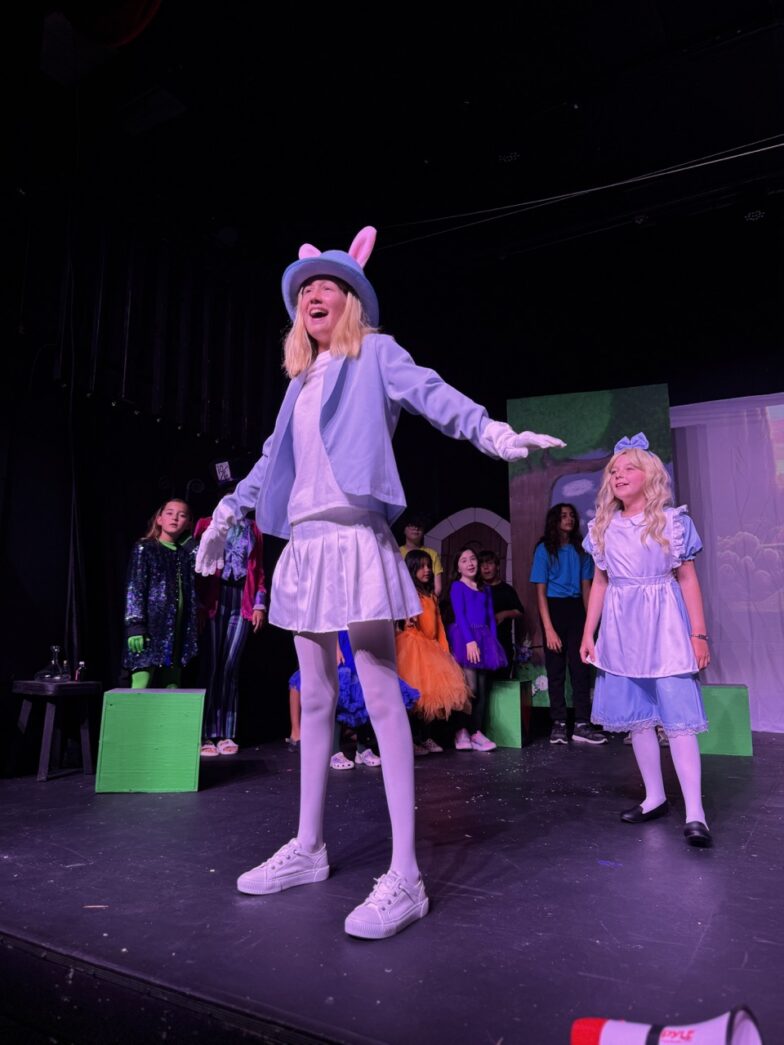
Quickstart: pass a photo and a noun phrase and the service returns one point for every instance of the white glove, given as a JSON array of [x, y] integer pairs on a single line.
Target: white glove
[[501, 440], [209, 557]]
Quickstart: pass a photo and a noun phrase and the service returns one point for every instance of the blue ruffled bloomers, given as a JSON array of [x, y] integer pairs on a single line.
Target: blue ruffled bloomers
[[627, 705]]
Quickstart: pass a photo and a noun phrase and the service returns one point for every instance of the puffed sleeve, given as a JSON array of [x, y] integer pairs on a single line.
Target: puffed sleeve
[[588, 545], [686, 541]]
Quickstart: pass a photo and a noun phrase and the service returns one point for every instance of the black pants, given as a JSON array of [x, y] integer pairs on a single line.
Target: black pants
[[568, 620], [479, 683], [366, 738]]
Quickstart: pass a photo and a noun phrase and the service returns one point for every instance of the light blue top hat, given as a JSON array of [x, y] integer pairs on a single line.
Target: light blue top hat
[[339, 264]]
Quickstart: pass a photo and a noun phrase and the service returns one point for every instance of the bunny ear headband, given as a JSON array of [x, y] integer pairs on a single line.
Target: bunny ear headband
[[637, 442], [338, 264]]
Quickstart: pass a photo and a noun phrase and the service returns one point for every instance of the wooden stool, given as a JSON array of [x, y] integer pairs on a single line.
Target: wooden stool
[[56, 693]]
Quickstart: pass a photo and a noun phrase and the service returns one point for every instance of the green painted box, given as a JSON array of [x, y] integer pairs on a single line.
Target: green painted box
[[506, 718], [536, 677], [727, 708], [150, 740]]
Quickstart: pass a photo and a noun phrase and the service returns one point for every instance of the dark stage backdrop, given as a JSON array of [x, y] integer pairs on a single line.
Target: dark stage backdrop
[[137, 355]]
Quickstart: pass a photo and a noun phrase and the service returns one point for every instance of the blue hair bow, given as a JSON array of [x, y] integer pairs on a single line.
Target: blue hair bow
[[637, 442]]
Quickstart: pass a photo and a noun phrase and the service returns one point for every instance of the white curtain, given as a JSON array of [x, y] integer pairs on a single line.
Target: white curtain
[[729, 469]]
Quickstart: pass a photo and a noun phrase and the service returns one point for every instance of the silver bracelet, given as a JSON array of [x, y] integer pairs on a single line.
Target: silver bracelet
[[703, 637]]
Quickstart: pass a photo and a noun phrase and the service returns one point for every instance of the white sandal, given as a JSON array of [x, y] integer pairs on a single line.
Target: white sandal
[[339, 761]]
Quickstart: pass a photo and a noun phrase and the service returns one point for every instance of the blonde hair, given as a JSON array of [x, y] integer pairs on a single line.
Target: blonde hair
[[657, 491], [154, 527], [299, 348]]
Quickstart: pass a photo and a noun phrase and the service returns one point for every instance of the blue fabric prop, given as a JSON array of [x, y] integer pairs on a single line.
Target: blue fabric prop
[[351, 701]]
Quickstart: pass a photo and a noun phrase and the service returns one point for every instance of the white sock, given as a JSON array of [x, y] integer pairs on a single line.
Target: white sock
[[319, 693], [645, 744], [686, 759], [373, 643]]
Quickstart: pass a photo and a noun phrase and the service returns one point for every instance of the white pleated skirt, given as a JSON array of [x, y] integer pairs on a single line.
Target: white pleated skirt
[[336, 571]]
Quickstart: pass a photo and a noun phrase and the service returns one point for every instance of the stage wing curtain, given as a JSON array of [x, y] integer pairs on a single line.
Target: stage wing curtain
[[729, 469]]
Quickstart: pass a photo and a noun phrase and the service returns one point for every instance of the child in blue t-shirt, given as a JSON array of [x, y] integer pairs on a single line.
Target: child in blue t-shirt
[[562, 573]]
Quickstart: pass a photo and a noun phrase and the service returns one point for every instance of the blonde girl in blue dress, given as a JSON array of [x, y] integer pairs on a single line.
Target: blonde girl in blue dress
[[653, 638]]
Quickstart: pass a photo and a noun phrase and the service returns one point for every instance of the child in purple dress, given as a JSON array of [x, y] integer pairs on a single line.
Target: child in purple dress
[[475, 647], [653, 637]]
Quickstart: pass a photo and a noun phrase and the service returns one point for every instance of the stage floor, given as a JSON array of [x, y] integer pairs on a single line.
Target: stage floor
[[120, 920]]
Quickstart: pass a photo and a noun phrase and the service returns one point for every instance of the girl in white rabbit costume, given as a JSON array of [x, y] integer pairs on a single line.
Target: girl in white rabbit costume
[[328, 482]]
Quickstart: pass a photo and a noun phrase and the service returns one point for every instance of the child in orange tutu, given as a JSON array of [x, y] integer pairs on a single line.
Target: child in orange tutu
[[424, 660]]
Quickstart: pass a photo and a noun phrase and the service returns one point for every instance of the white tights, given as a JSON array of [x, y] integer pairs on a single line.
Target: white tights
[[373, 644], [686, 759]]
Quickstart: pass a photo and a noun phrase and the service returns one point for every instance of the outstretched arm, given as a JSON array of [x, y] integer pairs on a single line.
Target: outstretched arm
[[421, 391], [500, 440], [228, 511]]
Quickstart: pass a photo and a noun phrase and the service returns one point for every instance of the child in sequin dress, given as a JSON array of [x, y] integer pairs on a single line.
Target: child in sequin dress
[[160, 602], [653, 637]]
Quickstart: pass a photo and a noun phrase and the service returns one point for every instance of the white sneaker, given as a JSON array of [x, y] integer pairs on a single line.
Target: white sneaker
[[462, 740], [420, 749], [393, 904], [479, 742], [288, 867], [368, 757], [431, 746]]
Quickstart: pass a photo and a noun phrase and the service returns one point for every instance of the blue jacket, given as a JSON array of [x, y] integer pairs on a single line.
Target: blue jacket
[[360, 407]]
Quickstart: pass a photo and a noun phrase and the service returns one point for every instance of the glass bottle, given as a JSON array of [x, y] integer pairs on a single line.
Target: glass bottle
[[53, 669]]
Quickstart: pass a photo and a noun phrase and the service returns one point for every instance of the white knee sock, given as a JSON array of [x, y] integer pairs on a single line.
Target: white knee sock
[[686, 758], [373, 643], [646, 750]]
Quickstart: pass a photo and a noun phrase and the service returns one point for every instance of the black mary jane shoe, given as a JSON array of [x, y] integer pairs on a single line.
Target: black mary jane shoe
[[696, 833], [636, 815]]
